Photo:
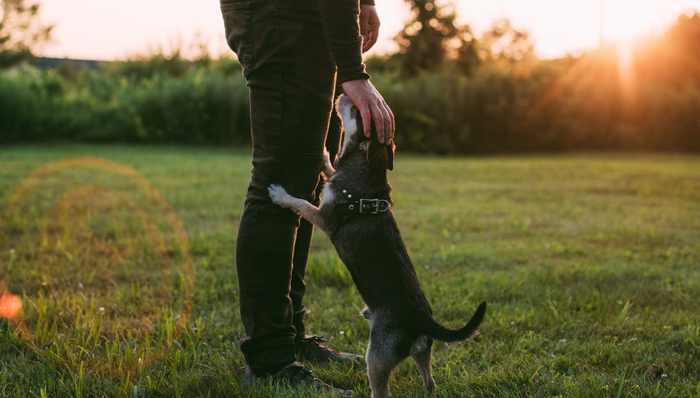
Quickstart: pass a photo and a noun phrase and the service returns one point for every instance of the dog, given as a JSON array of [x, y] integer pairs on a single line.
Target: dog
[[355, 213]]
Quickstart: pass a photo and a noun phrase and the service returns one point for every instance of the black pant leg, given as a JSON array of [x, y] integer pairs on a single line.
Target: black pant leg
[[305, 233], [291, 77]]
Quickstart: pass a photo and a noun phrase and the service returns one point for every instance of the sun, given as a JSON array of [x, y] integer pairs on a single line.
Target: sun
[[626, 20], [626, 24]]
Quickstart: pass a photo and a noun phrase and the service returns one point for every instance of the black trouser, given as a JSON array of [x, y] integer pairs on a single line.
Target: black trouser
[[291, 77]]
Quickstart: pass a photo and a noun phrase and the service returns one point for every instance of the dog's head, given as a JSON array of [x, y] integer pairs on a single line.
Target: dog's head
[[355, 139]]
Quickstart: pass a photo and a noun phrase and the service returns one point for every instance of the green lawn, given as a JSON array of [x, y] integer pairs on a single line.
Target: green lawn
[[589, 263]]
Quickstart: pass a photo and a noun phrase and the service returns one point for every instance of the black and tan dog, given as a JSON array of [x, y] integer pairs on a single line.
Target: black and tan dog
[[355, 213]]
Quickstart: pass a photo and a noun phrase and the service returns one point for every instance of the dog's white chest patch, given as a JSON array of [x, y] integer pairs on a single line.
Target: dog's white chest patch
[[327, 194]]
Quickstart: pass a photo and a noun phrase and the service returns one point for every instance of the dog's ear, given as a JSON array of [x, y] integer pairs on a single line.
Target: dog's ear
[[364, 147], [390, 155]]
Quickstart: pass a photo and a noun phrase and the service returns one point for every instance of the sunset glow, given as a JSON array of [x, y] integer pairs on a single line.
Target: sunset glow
[[115, 30], [627, 24], [625, 20], [625, 67]]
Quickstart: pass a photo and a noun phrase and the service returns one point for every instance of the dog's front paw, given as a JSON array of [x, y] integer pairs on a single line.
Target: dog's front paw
[[279, 195]]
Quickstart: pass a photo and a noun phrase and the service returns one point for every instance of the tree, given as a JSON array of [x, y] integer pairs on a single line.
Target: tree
[[674, 58], [423, 42], [466, 53], [502, 42], [20, 31]]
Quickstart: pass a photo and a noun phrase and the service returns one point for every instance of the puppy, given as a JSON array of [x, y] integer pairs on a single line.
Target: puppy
[[355, 213]]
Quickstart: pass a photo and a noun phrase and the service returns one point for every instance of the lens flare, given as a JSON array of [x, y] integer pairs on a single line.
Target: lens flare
[[10, 306], [110, 268]]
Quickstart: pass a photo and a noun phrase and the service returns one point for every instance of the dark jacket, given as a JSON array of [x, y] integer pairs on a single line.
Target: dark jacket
[[342, 32]]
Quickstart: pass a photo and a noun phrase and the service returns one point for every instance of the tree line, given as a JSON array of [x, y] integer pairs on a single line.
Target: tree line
[[451, 91]]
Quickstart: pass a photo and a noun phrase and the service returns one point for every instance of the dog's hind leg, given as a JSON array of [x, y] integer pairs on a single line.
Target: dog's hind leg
[[379, 369], [421, 353], [383, 355], [310, 212]]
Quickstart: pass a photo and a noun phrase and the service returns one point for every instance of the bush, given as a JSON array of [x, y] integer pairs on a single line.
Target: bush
[[567, 104], [199, 107]]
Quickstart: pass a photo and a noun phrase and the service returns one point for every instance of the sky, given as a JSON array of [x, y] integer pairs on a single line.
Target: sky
[[105, 30]]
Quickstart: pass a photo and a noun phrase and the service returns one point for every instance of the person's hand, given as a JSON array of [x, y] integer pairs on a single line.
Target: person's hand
[[369, 26], [372, 106]]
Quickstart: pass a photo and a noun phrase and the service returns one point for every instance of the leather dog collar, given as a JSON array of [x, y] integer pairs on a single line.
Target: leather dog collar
[[362, 205]]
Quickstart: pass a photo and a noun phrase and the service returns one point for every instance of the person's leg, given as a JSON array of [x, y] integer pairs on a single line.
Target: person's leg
[[291, 77], [305, 235], [298, 286], [308, 346]]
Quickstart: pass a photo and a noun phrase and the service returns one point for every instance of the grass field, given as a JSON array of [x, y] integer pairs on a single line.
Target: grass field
[[589, 263]]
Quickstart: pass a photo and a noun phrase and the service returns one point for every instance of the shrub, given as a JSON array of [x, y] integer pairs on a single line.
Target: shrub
[[567, 104], [199, 107]]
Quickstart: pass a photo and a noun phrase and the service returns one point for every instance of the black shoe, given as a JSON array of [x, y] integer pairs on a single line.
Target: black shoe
[[297, 376], [310, 348]]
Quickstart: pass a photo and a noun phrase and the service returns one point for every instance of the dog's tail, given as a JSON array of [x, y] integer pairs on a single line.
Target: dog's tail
[[441, 333]]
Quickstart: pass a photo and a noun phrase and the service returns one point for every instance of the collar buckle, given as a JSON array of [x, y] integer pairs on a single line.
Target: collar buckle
[[373, 206]]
